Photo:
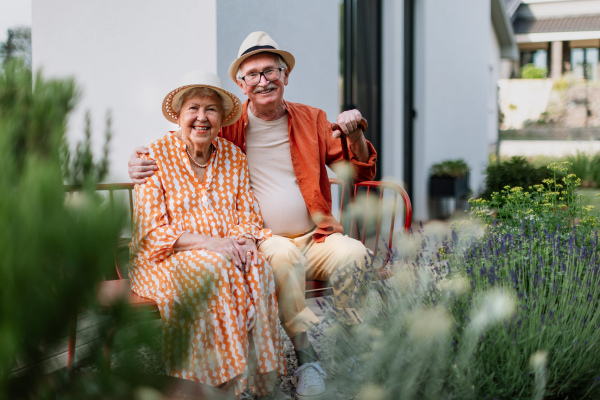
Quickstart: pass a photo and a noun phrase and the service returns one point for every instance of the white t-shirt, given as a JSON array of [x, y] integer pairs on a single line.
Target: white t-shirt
[[273, 179]]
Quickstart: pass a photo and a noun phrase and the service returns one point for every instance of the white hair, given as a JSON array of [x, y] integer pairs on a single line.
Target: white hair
[[282, 63], [202, 92]]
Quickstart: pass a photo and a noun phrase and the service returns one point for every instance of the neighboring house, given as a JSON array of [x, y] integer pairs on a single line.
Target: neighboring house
[[560, 35], [423, 72]]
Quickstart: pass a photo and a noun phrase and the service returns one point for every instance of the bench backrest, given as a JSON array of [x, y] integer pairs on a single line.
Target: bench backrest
[[376, 209]]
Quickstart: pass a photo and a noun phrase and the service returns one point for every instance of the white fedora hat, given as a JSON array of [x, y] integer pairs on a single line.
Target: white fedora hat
[[259, 42], [232, 108]]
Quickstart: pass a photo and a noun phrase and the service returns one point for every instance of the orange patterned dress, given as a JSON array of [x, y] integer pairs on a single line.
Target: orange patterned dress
[[218, 324]]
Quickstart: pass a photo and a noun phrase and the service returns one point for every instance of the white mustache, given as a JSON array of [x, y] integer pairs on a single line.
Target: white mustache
[[270, 86]]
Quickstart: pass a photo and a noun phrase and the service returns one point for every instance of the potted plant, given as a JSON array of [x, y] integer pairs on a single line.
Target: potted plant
[[449, 178]]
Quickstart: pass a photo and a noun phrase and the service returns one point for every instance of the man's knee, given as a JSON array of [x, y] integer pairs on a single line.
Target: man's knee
[[282, 255], [355, 256]]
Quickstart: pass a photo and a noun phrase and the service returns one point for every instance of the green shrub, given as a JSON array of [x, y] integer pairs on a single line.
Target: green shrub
[[561, 85], [580, 165], [514, 172], [594, 169], [530, 71], [53, 251], [552, 205], [450, 168]]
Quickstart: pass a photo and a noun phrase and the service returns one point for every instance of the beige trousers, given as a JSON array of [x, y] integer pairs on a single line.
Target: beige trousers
[[339, 259]]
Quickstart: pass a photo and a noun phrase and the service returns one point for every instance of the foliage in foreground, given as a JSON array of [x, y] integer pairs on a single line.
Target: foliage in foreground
[[54, 251], [409, 345]]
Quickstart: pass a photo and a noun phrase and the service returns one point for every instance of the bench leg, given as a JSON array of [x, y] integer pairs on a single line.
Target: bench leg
[[72, 342]]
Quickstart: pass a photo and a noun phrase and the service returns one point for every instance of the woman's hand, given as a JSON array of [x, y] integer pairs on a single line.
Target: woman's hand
[[140, 168], [249, 253], [241, 252]]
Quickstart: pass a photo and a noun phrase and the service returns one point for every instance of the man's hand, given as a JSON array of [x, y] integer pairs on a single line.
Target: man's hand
[[349, 123], [140, 168]]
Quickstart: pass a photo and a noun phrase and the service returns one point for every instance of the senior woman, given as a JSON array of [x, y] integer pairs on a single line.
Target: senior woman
[[194, 250]]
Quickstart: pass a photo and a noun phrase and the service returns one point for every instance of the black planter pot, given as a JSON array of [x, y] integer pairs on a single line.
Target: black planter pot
[[448, 186]]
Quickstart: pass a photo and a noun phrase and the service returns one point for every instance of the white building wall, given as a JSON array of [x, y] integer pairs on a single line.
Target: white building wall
[[309, 29], [392, 151], [495, 66], [451, 88], [125, 56]]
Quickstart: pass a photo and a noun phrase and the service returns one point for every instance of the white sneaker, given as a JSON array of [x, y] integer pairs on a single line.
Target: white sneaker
[[311, 381]]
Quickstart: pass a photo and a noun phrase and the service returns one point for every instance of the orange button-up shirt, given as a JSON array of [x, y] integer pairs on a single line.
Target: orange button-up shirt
[[312, 148]]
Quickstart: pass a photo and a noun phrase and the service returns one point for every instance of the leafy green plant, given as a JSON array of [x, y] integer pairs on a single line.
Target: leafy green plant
[[55, 248], [81, 167], [450, 168], [594, 169], [552, 205], [530, 71], [516, 171], [580, 165]]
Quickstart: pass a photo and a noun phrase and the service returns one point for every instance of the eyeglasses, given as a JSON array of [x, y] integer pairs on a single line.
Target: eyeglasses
[[253, 78]]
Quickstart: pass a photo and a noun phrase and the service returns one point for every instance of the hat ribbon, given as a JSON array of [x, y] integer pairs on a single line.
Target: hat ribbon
[[253, 48]]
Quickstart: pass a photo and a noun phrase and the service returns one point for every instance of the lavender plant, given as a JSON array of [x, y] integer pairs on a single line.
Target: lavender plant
[[557, 285]]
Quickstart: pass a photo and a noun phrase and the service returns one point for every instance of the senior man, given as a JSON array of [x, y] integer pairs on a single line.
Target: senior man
[[287, 146]]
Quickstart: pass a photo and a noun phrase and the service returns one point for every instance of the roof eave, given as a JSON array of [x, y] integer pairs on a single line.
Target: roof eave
[[504, 31]]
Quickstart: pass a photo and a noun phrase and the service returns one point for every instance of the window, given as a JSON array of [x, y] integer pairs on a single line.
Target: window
[[537, 57], [585, 63]]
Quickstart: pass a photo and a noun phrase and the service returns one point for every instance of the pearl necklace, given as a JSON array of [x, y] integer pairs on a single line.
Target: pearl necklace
[[195, 162]]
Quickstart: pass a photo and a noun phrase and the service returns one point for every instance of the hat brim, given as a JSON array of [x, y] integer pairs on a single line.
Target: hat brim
[[233, 103], [287, 57]]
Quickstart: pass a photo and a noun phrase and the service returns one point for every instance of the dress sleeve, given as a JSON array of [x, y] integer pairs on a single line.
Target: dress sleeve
[[155, 233], [250, 220]]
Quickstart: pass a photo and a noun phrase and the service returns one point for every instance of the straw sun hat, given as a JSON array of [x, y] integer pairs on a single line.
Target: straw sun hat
[[259, 42], [232, 107]]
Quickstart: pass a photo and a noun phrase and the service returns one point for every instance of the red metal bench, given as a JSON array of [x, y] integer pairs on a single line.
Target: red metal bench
[[377, 237]]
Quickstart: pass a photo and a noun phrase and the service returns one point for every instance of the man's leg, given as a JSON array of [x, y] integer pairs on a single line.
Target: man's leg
[[344, 262], [288, 265]]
